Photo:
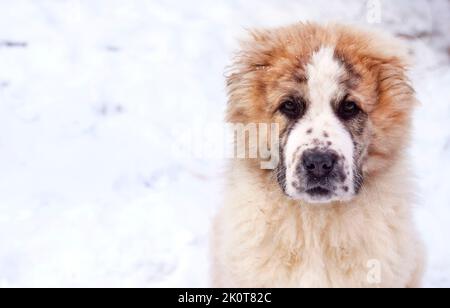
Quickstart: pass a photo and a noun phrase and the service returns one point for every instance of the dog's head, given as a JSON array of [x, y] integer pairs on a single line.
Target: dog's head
[[340, 96]]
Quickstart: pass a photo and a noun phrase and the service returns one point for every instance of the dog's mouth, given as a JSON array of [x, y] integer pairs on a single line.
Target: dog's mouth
[[319, 191]]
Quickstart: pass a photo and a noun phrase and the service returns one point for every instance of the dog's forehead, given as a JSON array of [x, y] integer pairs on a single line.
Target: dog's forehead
[[323, 63], [323, 74]]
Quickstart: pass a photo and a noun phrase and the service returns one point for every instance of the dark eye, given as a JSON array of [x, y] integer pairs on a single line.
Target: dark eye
[[348, 110], [292, 108]]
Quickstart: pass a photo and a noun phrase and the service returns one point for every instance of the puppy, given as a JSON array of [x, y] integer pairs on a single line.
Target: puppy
[[336, 209]]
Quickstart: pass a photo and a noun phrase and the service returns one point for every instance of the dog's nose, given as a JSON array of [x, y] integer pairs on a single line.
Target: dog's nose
[[319, 163]]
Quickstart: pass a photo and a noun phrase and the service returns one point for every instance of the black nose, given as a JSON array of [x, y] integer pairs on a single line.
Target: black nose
[[319, 163]]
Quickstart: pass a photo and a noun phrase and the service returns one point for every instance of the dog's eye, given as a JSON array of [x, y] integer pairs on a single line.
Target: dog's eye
[[348, 110], [292, 108]]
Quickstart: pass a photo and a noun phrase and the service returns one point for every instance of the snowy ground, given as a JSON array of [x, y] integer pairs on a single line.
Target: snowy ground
[[91, 191]]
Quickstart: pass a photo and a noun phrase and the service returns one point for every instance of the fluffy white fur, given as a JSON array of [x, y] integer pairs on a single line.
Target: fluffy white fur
[[263, 239]]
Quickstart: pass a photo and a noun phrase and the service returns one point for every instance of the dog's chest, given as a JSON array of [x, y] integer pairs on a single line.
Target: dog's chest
[[316, 251]]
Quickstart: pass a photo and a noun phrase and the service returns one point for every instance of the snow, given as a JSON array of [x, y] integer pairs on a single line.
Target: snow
[[93, 97]]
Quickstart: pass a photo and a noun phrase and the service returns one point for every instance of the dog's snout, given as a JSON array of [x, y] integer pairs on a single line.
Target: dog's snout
[[319, 163]]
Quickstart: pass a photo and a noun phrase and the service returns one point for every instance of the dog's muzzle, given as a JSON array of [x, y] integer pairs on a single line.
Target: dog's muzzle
[[321, 170]]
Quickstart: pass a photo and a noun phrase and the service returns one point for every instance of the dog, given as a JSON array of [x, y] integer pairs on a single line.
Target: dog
[[336, 210]]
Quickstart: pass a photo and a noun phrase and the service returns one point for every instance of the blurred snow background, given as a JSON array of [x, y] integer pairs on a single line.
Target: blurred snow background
[[91, 191]]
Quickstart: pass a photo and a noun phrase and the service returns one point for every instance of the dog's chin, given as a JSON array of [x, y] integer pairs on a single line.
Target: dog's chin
[[320, 196]]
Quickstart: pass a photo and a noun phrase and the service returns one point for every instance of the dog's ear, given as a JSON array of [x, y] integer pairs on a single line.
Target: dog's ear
[[392, 115], [243, 84]]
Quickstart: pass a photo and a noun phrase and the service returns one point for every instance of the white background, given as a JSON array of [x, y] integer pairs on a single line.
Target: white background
[[91, 191]]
